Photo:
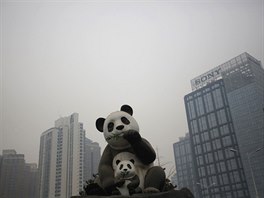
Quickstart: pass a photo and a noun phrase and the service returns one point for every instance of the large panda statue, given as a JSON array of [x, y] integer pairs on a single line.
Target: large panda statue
[[121, 131]]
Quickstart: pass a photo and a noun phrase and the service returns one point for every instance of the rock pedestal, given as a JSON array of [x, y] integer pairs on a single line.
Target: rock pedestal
[[169, 194]]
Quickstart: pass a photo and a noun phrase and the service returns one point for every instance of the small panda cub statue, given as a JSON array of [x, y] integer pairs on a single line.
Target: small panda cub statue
[[126, 173]]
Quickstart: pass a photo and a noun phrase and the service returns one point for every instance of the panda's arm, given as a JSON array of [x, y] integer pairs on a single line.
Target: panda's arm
[[141, 147], [144, 151], [105, 169], [134, 183]]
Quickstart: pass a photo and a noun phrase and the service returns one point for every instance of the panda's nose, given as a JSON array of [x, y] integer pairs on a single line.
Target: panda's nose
[[120, 127], [125, 169]]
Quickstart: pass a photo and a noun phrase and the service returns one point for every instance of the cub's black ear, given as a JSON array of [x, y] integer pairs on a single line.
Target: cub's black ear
[[117, 162], [100, 124], [128, 109], [133, 161]]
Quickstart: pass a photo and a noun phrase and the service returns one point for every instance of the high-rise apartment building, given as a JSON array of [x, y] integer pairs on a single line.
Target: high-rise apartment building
[[17, 178], [1, 159], [226, 124], [92, 155], [11, 174], [61, 159], [184, 164], [30, 180]]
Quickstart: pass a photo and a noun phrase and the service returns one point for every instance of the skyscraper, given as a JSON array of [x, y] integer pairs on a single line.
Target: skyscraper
[[184, 164], [244, 82], [11, 174], [218, 172], [30, 181], [61, 158], [226, 124], [17, 178], [92, 157]]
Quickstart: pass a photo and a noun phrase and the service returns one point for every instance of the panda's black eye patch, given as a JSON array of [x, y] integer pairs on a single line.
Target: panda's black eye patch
[[125, 120], [110, 126], [120, 168], [117, 162], [129, 166]]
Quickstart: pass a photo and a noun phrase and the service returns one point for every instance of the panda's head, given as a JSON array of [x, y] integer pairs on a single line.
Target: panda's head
[[115, 125], [125, 169]]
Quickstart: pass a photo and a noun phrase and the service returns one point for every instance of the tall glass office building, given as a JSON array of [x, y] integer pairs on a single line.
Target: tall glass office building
[[184, 164], [244, 82], [226, 124], [219, 172]]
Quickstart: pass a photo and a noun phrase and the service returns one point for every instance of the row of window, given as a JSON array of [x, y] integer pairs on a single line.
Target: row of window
[[210, 121], [59, 163], [216, 156], [207, 103]]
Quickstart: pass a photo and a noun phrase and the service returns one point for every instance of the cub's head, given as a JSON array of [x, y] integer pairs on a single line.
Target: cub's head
[[125, 169], [115, 125]]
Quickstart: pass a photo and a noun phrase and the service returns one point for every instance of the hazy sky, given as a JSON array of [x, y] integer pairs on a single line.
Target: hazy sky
[[91, 57]]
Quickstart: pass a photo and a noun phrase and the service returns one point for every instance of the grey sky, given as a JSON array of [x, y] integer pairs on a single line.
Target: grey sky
[[91, 57]]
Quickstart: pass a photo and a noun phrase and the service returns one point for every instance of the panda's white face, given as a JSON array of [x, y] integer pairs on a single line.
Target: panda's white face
[[114, 127], [125, 169]]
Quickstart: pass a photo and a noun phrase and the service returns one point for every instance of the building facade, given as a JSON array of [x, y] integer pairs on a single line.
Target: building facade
[[92, 158], [61, 159], [226, 123], [17, 178], [244, 82], [219, 171], [184, 165], [30, 180]]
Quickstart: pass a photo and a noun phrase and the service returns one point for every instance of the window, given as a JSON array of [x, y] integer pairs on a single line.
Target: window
[[227, 141], [190, 106], [194, 126], [207, 147], [222, 118], [198, 149], [214, 133], [208, 102], [218, 98], [231, 164], [216, 144], [211, 170], [200, 160], [199, 106], [197, 139], [201, 171], [210, 157], [224, 130], [212, 120], [220, 155], [205, 136], [202, 123]]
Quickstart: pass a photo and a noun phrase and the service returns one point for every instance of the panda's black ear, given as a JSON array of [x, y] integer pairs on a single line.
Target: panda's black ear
[[127, 109], [117, 162], [133, 161], [100, 124]]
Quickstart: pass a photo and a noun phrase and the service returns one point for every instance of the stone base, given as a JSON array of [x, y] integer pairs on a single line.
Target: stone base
[[169, 194]]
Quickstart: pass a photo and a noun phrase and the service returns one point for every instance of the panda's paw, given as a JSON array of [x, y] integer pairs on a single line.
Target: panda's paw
[[135, 190], [151, 190], [116, 192], [119, 182], [132, 136]]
